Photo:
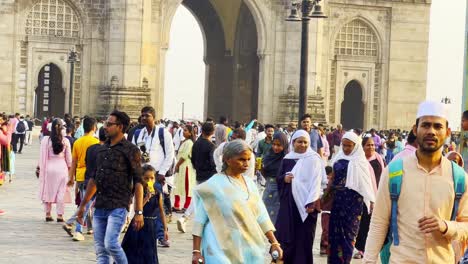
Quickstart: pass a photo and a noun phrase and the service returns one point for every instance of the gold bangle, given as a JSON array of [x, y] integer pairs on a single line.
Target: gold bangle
[[196, 251], [276, 243]]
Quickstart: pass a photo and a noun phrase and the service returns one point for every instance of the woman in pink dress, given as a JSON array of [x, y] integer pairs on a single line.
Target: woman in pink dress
[[54, 162]]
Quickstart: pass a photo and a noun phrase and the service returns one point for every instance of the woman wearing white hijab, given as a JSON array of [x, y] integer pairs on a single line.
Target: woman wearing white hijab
[[299, 187], [353, 186]]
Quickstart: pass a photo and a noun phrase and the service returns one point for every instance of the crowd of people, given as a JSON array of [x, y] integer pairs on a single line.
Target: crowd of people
[[244, 184]]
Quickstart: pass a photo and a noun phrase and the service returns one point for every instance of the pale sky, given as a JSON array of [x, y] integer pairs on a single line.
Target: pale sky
[[446, 53], [185, 70]]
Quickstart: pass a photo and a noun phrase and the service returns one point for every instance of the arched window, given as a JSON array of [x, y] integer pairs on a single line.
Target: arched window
[[356, 39], [53, 18]]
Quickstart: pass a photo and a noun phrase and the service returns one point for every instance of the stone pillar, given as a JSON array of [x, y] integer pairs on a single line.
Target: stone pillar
[[9, 102], [132, 58], [265, 88]]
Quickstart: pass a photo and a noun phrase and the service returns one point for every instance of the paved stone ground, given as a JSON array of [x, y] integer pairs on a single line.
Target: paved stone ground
[[26, 238]]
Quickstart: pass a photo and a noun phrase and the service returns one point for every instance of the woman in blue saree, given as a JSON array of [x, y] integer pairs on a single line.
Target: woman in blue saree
[[231, 221]]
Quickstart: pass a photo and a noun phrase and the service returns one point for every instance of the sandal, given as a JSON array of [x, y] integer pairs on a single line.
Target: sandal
[[49, 219], [359, 255], [60, 220], [68, 229]]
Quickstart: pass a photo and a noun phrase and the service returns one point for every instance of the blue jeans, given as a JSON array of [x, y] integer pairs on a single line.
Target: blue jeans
[[72, 219], [107, 225]]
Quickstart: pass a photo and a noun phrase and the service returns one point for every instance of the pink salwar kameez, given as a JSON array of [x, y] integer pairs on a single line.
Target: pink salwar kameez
[[53, 176]]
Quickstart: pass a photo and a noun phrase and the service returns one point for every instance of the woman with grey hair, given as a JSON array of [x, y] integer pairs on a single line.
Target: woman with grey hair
[[231, 220]]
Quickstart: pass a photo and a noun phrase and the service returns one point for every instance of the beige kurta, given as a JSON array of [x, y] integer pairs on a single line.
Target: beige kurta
[[185, 152], [422, 194]]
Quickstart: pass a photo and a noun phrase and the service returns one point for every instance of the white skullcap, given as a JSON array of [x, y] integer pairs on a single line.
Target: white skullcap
[[431, 108]]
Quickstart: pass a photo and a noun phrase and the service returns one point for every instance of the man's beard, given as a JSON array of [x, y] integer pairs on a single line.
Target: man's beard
[[424, 149]]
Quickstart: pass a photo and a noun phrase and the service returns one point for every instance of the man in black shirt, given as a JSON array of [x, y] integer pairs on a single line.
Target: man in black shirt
[[202, 154], [117, 175]]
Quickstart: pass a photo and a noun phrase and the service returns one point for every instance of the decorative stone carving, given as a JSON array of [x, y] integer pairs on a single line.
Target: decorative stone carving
[[289, 106], [127, 99]]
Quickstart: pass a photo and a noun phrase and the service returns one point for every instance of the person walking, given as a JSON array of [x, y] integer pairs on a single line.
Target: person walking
[[204, 165], [20, 134], [140, 246], [264, 145], [5, 148], [271, 165], [299, 186], [78, 169], [315, 142], [185, 178], [54, 163], [230, 197], [377, 163], [425, 224], [28, 139], [118, 178], [353, 186]]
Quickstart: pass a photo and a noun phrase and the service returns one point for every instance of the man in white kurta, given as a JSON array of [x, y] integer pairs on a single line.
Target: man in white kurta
[[426, 200]]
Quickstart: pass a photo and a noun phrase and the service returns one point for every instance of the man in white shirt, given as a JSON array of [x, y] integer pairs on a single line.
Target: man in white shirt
[[148, 139], [178, 135], [20, 132]]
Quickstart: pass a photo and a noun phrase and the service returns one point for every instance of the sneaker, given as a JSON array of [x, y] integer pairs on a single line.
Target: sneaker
[[358, 255], [78, 237], [163, 243], [181, 224], [2, 212], [68, 228]]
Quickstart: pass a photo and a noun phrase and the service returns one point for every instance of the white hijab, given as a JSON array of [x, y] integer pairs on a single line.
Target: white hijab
[[308, 174], [359, 177]]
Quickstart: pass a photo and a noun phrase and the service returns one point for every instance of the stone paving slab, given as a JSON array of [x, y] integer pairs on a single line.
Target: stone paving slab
[[26, 238]]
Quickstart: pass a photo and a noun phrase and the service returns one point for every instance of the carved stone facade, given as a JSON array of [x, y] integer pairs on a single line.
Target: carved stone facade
[[252, 57]]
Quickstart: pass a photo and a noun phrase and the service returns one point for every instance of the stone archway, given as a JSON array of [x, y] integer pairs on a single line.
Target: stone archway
[[49, 94], [352, 108], [232, 63]]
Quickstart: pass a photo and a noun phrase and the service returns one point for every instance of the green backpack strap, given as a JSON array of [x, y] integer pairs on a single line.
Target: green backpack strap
[[395, 178], [458, 174]]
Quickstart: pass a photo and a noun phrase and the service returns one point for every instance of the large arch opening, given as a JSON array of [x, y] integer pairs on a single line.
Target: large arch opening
[[185, 69], [230, 56], [352, 108], [49, 94]]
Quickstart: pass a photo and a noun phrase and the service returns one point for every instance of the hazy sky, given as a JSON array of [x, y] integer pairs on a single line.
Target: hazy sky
[[446, 53], [185, 71]]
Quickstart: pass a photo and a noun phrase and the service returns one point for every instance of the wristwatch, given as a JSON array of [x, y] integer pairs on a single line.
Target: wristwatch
[[138, 212]]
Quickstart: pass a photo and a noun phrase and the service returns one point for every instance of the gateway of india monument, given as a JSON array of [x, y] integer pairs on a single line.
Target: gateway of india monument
[[367, 59]]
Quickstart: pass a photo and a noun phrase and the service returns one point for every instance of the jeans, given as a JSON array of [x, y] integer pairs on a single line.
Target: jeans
[[72, 219], [14, 142], [107, 224]]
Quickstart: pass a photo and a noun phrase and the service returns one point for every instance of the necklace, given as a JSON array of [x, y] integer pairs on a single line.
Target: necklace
[[245, 184]]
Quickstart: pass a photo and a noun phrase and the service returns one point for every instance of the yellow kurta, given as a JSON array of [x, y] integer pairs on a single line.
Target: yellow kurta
[[422, 194], [185, 152]]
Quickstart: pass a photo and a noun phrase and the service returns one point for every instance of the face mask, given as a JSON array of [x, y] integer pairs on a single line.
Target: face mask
[[151, 186]]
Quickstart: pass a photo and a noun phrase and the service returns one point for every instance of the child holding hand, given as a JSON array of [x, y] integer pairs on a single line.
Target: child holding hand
[[140, 246]]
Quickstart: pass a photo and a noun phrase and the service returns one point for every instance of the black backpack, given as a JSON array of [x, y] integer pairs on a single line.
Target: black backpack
[[21, 128]]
